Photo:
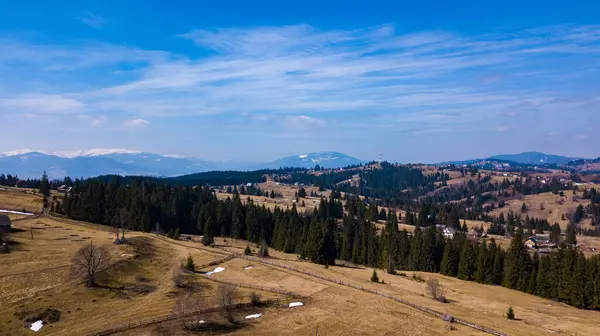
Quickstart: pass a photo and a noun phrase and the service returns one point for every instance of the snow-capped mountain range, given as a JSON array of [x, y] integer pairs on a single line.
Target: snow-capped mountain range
[[28, 163]]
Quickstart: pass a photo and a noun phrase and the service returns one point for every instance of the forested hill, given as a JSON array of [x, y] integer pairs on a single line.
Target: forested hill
[[386, 182], [212, 178], [329, 234]]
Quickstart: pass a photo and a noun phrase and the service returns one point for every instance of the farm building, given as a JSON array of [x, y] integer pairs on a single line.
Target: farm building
[[542, 238], [531, 242], [448, 232], [4, 224]]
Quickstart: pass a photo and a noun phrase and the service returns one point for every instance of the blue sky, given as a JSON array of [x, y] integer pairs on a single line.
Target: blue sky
[[257, 80]]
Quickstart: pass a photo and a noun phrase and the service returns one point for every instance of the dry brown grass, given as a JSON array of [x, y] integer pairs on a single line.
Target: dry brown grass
[[481, 304], [554, 207], [20, 199], [36, 274]]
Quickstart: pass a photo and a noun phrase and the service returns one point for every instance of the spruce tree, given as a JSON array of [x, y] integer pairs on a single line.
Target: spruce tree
[[555, 233], [448, 261], [482, 260], [374, 277], [543, 279], [578, 282], [532, 286], [189, 263], [571, 235], [428, 253], [416, 249], [498, 268], [468, 262], [391, 233], [45, 189], [517, 265], [208, 237], [510, 313]]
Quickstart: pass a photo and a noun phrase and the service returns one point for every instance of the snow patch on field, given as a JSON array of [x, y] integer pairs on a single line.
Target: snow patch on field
[[216, 270], [253, 316], [16, 212], [37, 325]]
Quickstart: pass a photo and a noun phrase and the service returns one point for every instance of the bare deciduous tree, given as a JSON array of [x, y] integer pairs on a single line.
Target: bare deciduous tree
[[263, 251], [227, 298], [435, 289], [89, 260], [183, 280], [189, 310], [178, 277]]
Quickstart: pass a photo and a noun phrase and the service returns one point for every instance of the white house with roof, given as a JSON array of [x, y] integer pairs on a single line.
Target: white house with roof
[[448, 232]]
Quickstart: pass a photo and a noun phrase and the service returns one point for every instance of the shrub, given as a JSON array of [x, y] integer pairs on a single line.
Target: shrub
[[263, 252], [176, 234], [255, 299], [170, 233], [247, 251], [435, 289], [417, 278], [510, 314], [374, 277], [226, 296], [207, 240], [189, 263]]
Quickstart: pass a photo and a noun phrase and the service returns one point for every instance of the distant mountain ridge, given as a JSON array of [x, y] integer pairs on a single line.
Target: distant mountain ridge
[[534, 158], [31, 164], [310, 160]]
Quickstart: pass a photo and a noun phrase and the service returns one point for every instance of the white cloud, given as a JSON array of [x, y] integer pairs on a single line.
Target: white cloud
[[301, 71], [304, 121], [97, 122], [93, 20], [502, 128], [41, 104], [136, 123]]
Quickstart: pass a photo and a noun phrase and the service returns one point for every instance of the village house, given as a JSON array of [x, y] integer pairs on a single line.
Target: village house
[[448, 232], [531, 243]]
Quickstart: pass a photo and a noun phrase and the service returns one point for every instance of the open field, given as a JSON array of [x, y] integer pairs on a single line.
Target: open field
[[36, 276], [478, 303], [20, 199], [554, 207]]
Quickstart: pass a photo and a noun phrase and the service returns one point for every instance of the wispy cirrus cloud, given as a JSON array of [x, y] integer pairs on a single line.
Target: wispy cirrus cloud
[[136, 123], [93, 20], [37, 103], [303, 121], [429, 81], [299, 69]]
